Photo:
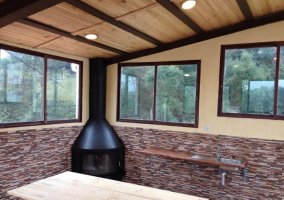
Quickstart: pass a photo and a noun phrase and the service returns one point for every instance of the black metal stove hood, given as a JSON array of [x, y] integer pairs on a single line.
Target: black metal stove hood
[[98, 150], [97, 133]]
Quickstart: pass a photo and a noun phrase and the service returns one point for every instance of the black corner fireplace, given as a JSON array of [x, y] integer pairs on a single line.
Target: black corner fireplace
[[98, 151]]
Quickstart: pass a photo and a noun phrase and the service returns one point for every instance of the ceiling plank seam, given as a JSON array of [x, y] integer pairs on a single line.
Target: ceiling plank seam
[[172, 8], [97, 13], [51, 29], [260, 21], [14, 13], [244, 7]]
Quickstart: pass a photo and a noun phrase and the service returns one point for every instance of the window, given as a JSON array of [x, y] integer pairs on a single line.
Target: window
[[37, 89], [159, 93], [252, 81], [62, 96]]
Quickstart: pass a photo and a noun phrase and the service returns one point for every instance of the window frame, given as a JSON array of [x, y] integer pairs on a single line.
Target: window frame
[[155, 65], [273, 116], [45, 58]]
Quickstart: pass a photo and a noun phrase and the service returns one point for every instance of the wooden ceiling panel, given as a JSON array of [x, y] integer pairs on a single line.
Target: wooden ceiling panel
[[117, 38], [158, 23], [65, 17], [73, 47], [116, 8], [215, 14], [22, 34], [264, 7]]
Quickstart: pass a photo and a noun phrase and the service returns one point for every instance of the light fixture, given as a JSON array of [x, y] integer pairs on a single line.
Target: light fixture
[[74, 67], [91, 36], [188, 4], [187, 75]]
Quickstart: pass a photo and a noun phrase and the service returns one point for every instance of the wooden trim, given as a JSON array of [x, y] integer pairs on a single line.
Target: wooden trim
[[173, 9], [45, 90], [45, 57], [118, 92], [156, 64], [253, 45], [155, 93], [158, 123], [197, 95], [10, 6], [51, 29], [276, 83], [36, 123], [99, 14], [244, 7], [221, 81], [13, 12], [80, 92], [179, 62], [22, 50], [272, 116], [279, 16], [252, 116]]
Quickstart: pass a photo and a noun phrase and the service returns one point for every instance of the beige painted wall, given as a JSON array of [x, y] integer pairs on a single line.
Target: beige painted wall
[[209, 53], [85, 92]]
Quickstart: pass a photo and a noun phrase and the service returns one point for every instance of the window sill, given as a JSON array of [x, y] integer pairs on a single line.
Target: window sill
[[40, 123], [158, 123], [251, 116]]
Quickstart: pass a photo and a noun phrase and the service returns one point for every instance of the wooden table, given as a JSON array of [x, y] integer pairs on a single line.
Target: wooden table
[[74, 186]]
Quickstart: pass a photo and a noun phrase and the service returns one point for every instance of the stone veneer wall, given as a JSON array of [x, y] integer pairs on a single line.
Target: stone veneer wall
[[30, 155], [265, 157]]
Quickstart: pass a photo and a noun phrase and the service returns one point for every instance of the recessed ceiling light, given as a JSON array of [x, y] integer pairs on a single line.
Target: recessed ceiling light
[[186, 74], [188, 4], [91, 36]]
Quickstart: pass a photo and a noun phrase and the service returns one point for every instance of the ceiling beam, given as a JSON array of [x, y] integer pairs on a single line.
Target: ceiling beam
[[18, 10], [51, 29], [260, 21], [243, 5], [172, 8], [97, 13]]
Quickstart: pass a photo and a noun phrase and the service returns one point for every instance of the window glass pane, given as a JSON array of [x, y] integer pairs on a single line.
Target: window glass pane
[[176, 93], [21, 87], [248, 86], [280, 107], [62, 90], [136, 92]]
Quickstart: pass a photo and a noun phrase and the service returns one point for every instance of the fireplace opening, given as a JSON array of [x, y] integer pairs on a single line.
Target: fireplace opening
[[105, 164], [101, 163]]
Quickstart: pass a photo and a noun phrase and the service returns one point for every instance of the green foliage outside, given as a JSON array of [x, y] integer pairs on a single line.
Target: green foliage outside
[[136, 93], [22, 89], [61, 91], [249, 80], [176, 94], [175, 101]]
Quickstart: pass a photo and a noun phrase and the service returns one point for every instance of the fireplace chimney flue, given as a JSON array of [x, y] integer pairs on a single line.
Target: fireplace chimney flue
[[97, 88]]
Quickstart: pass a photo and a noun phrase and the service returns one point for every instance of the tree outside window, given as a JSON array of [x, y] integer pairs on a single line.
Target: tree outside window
[[160, 93], [37, 88], [249, 81]]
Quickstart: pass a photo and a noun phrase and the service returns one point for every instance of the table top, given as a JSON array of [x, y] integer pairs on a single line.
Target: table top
[[70, 185]]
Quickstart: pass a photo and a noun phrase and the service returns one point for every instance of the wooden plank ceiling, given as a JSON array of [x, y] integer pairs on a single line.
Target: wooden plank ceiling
[[127, 28]]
